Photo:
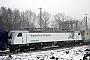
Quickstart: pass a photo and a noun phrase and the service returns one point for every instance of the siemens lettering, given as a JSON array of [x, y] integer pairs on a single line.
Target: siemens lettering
[[34, 40]]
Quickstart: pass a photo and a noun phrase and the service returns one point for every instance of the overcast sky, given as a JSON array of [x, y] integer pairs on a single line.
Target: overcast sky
[[73, 8]]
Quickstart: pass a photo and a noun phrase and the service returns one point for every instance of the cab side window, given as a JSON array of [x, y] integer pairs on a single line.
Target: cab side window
[[19, 35]]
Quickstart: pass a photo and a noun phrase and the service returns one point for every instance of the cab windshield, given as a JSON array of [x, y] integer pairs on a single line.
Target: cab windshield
[[10, 35]]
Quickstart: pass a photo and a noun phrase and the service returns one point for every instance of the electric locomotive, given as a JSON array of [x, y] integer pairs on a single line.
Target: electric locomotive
[[39, 39]]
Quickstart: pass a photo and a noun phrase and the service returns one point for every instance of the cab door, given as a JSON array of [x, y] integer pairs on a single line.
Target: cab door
[[18, 39], [24, 38], [21, 38]]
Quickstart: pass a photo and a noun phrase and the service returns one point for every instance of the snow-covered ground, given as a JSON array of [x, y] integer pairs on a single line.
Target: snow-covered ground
[[75, 53]]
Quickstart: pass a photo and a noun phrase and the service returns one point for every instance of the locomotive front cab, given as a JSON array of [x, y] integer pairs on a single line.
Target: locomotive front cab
[[10, 37], [15, 37]]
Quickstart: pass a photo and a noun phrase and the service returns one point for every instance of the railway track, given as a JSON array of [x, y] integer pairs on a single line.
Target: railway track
[[7, 52], [46, 50]]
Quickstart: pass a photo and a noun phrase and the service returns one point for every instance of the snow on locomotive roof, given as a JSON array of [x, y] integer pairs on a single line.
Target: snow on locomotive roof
[[23, 31], [53, 31], [26, 31]]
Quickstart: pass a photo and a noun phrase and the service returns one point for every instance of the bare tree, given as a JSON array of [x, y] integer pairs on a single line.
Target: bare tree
[[22, 20], [9, 19], [59, 19], [13, 19], [45, 19], [6, 15], [1, 22], [68, 18], [28, 19], [82, 24], [54, 24], [16, 19], [3, 15]]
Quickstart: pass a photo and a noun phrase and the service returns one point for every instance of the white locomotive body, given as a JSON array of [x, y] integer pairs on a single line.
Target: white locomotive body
[[49, 37], [38, 39], [24, 37]]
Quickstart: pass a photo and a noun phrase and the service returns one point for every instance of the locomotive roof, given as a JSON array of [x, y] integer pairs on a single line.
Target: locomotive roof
[[23, 31], [52, 31]]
